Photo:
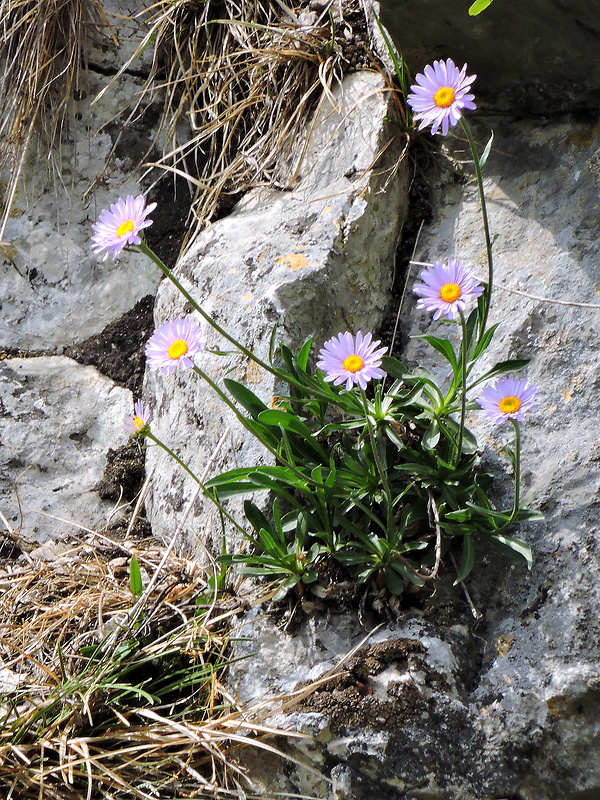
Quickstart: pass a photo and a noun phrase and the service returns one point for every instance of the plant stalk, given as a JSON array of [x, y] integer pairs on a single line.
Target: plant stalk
[[488, 239], [390, 523]]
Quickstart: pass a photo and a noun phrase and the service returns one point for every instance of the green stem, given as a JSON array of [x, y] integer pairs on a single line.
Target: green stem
[[240, 417], [283, 376], [143, 248], [488, 239], [390, 524], [205, 492], [277, 454], [463, 398], [517, 467]]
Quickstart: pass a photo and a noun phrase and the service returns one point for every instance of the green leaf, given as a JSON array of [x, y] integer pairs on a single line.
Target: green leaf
[[394, 368], [253, 404], [394, 582], [489, 513], [514, 545], [471, 327], [467, 559], [431, 436], [485, 341], [461, 515], [513, 365], [135, 578], [529, 515], [270, 545], [444, 347], [288, 421], [285, 587], [479, 6], [255, 516], [288, 359], [304, 354], [397, 60], [272, 344], [486, 152]]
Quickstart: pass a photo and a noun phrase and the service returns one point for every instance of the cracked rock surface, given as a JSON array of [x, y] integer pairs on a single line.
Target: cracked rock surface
[[315, 261], [454, 708], [60, 418]]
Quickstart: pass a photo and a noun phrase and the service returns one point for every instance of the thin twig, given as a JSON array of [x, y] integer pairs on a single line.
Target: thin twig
[[477, 614], [551, 301], [438, 534]]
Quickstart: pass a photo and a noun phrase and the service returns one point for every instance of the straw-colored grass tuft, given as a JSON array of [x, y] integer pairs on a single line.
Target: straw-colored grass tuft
[[103, 698], [244, 77], [42, 51]]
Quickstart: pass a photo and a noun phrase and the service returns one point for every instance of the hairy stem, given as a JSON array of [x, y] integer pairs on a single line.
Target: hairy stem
[[488, 239]]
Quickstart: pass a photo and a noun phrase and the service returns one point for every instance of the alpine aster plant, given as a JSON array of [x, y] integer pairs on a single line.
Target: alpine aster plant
[[120, 226], [440, 94], [350, 360]]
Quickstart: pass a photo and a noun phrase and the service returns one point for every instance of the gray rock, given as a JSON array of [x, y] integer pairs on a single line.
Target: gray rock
[[527, 56], [507, 706], [58, 418], [55, 291], [58, 421], [314, 260]]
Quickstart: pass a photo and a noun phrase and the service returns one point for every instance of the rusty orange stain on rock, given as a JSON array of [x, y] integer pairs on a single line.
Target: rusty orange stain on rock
[[293, 260]]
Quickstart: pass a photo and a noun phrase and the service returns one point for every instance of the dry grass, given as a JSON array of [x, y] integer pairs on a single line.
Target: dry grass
[[244, 76], [42, 50], [237, 81], [103, 699]]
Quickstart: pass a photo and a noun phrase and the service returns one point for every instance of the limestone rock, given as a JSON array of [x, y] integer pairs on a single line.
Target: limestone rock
[[55, 291], [59, 419], [314, 260], [541, 56], [507, 706]]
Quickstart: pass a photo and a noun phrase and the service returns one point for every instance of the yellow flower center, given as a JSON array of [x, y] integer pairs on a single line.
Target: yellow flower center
[[444, 97], [138, 422], [125, 227], [450, 292], [177, 349], [510, 404], [353, 363]]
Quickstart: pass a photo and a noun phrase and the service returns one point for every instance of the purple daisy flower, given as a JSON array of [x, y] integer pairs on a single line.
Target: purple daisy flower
[[173, 344], [510, 398], [120, 227], [351, 361], [447, 288], [138, 423], [440, 94]]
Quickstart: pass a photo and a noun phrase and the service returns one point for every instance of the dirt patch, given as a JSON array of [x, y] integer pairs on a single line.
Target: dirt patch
[[118, 350], [355, 700], [124, 472], [170, 219]]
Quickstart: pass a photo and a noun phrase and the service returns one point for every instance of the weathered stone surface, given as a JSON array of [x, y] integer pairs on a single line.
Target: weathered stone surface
[[58, 421], [543, 188], [314, 260], [541, 56], [54, 290], [507, 706]]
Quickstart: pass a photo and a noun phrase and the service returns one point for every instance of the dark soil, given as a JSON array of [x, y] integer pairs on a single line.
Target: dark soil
[[351, 702], [118, 350], [419, 214], [124, 472], [170, 219]]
